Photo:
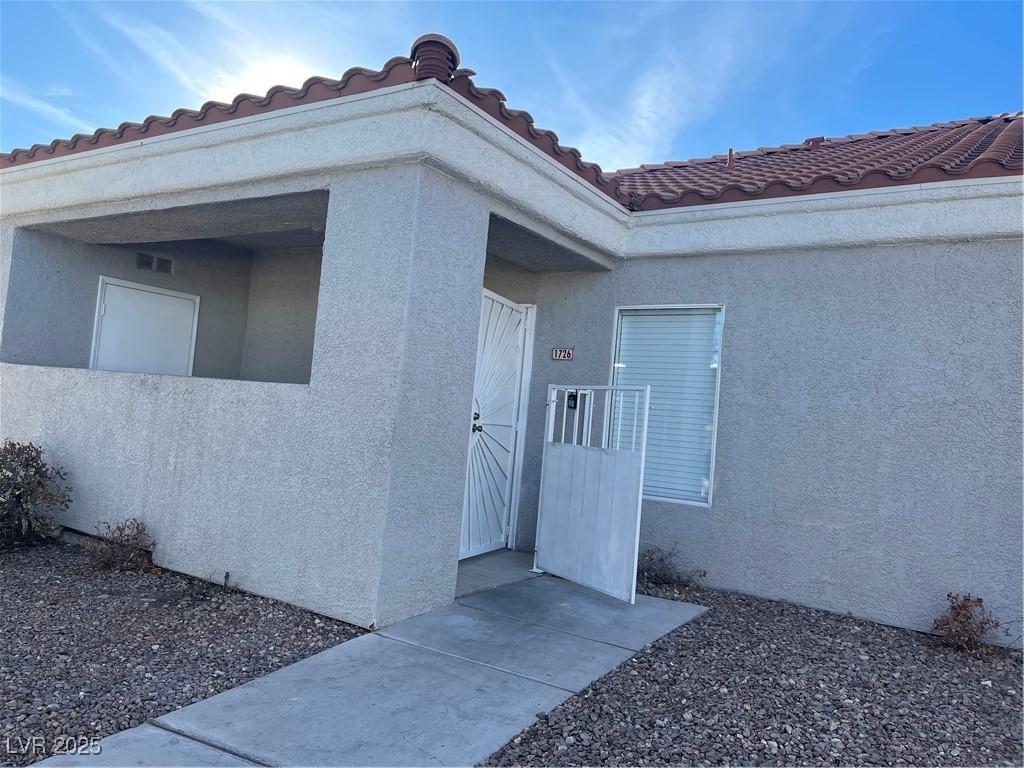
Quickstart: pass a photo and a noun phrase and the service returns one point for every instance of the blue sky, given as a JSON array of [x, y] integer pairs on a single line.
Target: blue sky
[[625, 82]]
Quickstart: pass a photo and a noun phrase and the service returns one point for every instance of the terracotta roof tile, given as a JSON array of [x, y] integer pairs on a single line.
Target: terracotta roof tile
[[356, 80], [978, 147]]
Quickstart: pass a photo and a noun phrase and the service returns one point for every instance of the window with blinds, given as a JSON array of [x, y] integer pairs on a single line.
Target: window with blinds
[[677, 351]]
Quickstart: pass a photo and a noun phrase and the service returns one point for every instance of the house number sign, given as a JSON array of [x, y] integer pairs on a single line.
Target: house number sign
[[563, 353]]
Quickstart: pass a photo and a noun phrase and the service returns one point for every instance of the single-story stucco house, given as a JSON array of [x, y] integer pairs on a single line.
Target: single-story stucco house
[[310, 339]]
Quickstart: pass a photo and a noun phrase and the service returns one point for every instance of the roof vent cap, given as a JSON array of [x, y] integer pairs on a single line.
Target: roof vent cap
[[814, 142], [434, 56]]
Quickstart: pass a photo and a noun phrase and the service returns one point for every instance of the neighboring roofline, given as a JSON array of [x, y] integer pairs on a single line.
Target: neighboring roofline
[[842, 198], [813, 143], [734, 193], [436, 57], [824, 183]]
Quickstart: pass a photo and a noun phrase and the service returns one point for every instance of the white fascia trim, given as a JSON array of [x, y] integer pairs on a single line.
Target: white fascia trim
[[31, 186], [845, 199], [606, 203], [944, 211], [596, 196], [211, 128], [789, 222]]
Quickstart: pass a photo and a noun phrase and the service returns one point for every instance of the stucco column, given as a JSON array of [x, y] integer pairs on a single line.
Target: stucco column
[[404, 256]]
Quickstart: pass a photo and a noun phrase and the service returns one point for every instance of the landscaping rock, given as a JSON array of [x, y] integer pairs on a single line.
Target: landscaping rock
[[759, 682], [87, 653]]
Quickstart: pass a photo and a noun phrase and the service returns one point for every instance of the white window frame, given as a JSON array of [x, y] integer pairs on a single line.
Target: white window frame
[[718, 386], [98, 319]]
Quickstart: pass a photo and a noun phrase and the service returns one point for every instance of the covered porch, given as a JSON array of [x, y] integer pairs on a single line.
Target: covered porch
[[307, 437]]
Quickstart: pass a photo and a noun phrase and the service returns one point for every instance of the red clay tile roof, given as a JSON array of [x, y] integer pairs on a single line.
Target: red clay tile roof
[[433, 56], [972, 148], [978, 147], [355, 80]]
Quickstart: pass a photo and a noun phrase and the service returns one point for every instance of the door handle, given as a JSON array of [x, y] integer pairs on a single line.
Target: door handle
[[478, 428]]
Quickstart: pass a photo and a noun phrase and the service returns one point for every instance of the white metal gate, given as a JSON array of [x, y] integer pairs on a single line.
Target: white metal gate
[[592, 477]]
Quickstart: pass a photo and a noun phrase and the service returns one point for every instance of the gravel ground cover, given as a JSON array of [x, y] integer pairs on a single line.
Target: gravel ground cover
[[89, 653], [758, 682]]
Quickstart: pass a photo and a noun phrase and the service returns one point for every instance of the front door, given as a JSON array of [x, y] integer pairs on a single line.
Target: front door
[[494, 425]]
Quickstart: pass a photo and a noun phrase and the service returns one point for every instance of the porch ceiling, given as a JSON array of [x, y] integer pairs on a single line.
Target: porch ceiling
[[295, 219], [536, 253]]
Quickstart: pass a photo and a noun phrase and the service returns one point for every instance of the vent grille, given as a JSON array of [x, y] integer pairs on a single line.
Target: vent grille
[[154, 263]]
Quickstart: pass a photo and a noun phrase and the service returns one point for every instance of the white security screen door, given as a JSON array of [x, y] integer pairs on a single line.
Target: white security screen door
[[493, 426], [591, 486], [144, 329]]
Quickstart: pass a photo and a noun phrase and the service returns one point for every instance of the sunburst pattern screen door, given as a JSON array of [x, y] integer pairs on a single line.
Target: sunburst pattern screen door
[[493, 426]]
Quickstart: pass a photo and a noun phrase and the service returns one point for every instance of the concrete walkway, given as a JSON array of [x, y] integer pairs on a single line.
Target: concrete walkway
[[446, 688]]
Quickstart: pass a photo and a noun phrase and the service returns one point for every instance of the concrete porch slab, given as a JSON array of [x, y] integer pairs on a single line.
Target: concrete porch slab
[[147, 745], [503, 566], [546, 655], [370, 701], [567, 607]]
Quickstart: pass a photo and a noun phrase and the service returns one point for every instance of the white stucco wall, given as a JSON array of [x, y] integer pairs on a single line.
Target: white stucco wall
[[278, 343], [869, 430], [868, 456], [321, 495]]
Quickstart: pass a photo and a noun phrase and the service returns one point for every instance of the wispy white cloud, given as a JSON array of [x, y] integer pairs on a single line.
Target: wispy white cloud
[[250, 50], [54, 114], [58, 91], [76, 24], [161, 47], [659, 103], [682, 79]]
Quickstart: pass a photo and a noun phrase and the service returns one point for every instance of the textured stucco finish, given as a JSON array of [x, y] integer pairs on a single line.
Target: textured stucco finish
[[869, 450], [510, 280], [51, 307], [869, 446], [321, 495], [283, 290]]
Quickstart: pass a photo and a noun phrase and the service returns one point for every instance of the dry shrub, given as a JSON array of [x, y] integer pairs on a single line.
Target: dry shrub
[[966, 624], [126, 546], [657, 567]]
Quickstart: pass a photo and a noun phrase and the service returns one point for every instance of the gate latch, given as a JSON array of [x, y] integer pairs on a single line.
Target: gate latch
[[570, 400]]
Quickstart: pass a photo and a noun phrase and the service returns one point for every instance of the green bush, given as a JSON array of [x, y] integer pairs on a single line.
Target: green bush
[[30, 491]]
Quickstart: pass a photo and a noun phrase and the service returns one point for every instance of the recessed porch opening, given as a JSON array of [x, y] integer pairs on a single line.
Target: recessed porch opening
[[517, 260], [224, 290]]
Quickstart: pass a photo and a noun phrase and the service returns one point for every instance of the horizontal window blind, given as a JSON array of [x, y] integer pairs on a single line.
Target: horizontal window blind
[[677, 352]]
